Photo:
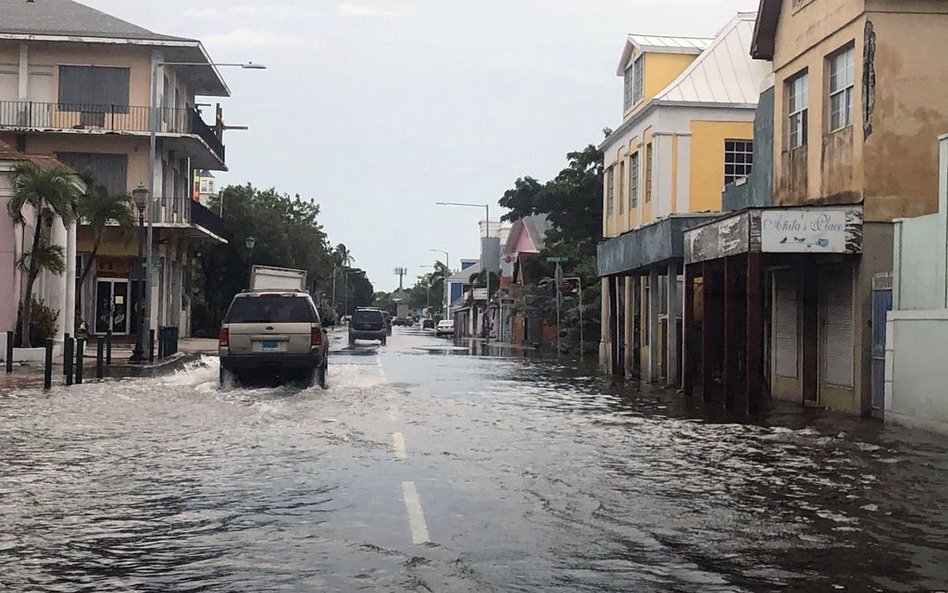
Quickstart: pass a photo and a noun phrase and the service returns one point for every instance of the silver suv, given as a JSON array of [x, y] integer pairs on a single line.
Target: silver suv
[[273, 335]]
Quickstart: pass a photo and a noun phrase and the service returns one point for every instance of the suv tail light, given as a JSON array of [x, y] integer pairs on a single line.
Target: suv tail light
[[224, 339], [316, 337]]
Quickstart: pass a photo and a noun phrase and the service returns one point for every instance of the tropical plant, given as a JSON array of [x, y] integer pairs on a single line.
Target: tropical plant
[[98, 207], [39, 191]]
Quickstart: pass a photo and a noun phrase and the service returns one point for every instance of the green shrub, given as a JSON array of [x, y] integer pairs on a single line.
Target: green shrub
[[43, 323]]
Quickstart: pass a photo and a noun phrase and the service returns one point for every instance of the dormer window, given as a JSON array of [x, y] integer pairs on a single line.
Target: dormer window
[[634, 77]]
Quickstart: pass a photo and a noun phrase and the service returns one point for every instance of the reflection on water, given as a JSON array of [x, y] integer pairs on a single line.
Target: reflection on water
[[537, 475]]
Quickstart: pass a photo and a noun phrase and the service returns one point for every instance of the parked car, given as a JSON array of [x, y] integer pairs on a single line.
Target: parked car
[[427, 324], [387, 317], [273, 335], [445, 327], [367, 324], [403, 321]]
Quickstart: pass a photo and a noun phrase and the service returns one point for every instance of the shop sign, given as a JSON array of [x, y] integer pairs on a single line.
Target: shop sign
[[804, 231], [480, 294]]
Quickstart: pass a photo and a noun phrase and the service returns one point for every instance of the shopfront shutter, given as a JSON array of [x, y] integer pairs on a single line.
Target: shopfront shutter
[[785, 325], [838, 328]]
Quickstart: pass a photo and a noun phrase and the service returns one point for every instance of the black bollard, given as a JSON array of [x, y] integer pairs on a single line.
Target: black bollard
[[162, 334], [9, 352], [108, 348], [48, 367], [99, 358], [68, 353], [80, 351], [65, 366], [151, 345]]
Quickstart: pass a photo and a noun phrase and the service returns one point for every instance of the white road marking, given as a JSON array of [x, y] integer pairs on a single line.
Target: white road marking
[[416, 516], [399, 440]]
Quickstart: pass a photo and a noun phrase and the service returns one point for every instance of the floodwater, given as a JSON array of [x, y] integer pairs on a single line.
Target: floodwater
[[428, 467]]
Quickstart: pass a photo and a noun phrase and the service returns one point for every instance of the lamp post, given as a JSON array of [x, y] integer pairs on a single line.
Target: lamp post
[[250, 242], [140, 196], [152, 155], [486, 208], [446, 287]]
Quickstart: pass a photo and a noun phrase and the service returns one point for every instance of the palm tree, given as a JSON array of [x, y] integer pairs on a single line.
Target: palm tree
[[44, 189], [98, 207], [344, 255]]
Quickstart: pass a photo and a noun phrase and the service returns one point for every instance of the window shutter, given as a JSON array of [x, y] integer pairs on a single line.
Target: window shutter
[[838, 328], [785, 325]]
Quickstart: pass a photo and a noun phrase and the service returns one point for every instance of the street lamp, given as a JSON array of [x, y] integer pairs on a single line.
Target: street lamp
[[140, 197], [152, 155], [484, 269], [446, 288], [250, 242]]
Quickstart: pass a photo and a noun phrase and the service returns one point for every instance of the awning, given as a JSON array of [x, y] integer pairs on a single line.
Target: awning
[[647, 246], [805, 229]]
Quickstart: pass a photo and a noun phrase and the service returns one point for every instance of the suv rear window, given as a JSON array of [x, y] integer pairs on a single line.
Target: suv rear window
[[367, 317], [271, 309]]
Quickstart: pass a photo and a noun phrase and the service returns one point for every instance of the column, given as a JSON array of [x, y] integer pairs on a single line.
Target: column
[[55, 286], [654, 305], [605, 357], [707, 340], [630, 287], [69, 315], [671, 340], [687, 323], [755, 334]]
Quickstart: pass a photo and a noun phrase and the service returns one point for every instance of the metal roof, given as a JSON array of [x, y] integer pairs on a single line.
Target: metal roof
[[664, 42], [69, 18], [724, 72]]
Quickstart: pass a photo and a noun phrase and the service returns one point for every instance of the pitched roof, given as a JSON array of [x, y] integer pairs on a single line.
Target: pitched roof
[[724, 72], [538, 225], [69, 18], [8, 153], [663, 44]]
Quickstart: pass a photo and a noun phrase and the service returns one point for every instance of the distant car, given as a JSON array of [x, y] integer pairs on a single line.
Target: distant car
[[274, 335], [367, 324], [445, 327], [427, 324], [403, 321]]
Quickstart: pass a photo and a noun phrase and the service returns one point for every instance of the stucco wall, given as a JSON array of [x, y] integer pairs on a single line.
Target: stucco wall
[[707, 163], [917, 375], [920, 263], [757, 191]]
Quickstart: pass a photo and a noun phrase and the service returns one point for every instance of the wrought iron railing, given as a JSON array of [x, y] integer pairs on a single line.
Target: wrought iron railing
[[205, 218], [32, 115]]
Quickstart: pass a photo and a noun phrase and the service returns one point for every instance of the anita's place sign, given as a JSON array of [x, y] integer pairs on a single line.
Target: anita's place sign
[[803, 230]]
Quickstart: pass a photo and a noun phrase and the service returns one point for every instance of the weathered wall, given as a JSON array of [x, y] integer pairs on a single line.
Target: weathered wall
[[758, 191]]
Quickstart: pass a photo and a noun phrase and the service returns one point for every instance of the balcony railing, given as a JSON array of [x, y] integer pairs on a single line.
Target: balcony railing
[[205, 218], [31, 115]]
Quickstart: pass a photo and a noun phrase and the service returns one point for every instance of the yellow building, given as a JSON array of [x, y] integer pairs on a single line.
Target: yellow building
[[76, 84], [687, 130]]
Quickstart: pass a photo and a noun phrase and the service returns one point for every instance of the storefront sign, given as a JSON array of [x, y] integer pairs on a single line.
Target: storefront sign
[[818, 230], [480, 294]]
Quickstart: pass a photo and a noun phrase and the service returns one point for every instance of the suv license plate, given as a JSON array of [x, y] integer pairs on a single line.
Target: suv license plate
[[270, 346]]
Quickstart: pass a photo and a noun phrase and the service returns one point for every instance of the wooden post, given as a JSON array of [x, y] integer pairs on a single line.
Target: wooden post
[[687, 327], [629, 330], [731, 339], [755, 334], [707, 340], [671, 337], [654, 306]]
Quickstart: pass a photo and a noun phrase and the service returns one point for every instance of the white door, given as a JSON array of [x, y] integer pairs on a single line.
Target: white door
[[785, 324], [837, 327]]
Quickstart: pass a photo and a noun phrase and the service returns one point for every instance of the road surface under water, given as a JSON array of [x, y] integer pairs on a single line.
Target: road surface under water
[[426, 467]]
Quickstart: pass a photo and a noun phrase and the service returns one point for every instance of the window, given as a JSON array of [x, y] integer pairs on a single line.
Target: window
[[109, 170], [634, 76], [738, 159], [797, 97], [93, 89], [648, 172], [634, 180], [841, 83], [610, 190], [621, 187]]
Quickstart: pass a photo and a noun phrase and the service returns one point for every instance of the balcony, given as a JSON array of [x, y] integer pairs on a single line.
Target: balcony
[[71, 117], [186, 213]]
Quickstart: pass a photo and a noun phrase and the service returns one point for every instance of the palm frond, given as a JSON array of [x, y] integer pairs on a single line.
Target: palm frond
[[48, 257]]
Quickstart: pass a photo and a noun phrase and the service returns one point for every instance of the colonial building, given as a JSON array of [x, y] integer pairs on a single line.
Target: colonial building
[[76, 84], [687, 130], [517, 323], [782, 293]]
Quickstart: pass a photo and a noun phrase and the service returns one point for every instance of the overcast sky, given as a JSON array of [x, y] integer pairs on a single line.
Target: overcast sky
[[379, 108]]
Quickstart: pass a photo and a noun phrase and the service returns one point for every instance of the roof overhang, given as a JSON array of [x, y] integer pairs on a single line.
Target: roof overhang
[[206, 80], [765, 30], [648, 246]]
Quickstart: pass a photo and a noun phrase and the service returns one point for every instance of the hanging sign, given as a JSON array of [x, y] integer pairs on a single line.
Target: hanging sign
[[808, 230]]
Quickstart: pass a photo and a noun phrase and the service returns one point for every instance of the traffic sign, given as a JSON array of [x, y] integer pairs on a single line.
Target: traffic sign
[[557, 260]]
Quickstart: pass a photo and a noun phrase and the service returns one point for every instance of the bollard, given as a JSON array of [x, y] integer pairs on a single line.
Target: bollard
[[9, 352], [68, 352], [108, 348], [48, 367], [151, 345], [99, 358], [161, 342], [66, 340], [80, 347]]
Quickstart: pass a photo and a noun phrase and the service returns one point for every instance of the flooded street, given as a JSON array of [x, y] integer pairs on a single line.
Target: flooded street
[[429, 468]]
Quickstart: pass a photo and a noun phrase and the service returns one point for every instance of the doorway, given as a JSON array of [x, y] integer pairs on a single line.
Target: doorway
[[111, 307]]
